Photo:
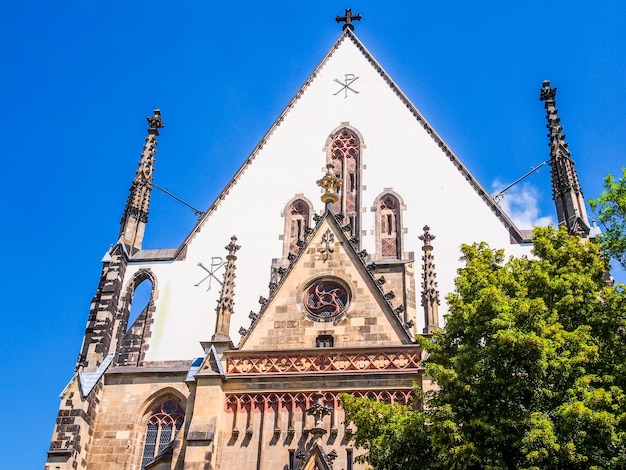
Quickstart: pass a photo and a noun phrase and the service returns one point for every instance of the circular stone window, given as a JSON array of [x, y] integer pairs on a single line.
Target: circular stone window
[[326, 299]]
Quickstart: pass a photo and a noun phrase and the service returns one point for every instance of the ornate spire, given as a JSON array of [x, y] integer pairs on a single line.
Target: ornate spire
[[348, 18], [135, 217], [430, 294], [566, 192], [329, 183], [225, 303]]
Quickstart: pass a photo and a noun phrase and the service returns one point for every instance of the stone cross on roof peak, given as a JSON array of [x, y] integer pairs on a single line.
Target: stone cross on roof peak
[[348, 18]]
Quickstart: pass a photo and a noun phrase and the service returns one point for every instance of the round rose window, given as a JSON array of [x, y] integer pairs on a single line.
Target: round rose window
[[325, 299]]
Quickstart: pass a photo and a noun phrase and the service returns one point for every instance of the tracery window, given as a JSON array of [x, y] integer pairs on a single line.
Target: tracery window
[[162, 427], [345, 155], [390, 229]]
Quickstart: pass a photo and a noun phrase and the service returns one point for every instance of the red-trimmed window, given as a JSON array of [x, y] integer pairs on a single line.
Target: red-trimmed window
[[390, 230], [345, 155]]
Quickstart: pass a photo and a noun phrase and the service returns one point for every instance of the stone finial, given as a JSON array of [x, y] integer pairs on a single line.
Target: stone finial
[[430, 292], [347, 19], [232, 247], [329, 183], [226, 302], [547, 93], [427, 237], [155, 122]]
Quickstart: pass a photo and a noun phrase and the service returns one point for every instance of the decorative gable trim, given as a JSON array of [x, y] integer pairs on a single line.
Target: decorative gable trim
[[367, 271], [316, 459], [211, 365]]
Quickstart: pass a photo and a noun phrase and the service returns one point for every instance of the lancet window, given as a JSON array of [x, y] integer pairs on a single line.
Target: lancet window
[[299, 216], [137, 309], [141, 298], [162, 427], [345, 155], [389, 226]]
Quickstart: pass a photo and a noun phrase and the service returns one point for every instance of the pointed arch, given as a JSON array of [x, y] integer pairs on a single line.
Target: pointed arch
[[159, 396], [163, 416], [343, 150], [389, 229], [297, 213], [132, 343]]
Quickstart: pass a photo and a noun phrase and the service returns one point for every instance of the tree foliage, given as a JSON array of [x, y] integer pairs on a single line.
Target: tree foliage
[[395, 436], [611, 207], [530, 368]]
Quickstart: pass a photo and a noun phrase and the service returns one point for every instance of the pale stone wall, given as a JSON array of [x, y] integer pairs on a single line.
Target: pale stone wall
[[265, 429], [284, 324], [120, 426]]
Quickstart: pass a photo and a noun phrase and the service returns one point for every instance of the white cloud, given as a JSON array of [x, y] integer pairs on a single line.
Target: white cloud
[[521, 204]]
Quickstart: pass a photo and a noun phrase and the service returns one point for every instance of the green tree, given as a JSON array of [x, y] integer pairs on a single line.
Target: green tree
[[611, 208], [395, 436], [530, 366]]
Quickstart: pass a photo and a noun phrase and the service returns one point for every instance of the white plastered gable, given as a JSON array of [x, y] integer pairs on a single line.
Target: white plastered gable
[[400, 152]]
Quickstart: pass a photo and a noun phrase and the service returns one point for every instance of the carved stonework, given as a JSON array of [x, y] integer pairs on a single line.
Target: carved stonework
[[138, 204], [566, 191], [303, 400], [155, 122], [297, 363], [318, 411], [226, 301], [430, 293], [329, 183]]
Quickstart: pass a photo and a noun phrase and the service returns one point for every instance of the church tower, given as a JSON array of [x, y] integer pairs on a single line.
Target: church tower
[[328, 286], [107, 339]]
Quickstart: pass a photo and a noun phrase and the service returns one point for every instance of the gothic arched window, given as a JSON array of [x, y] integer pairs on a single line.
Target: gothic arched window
[[298, 223], [138, 305], [390, 228], [163, 424], [345, 155], [141, 297]]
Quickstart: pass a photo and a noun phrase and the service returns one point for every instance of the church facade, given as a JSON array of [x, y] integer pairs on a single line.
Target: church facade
[[320, 289]]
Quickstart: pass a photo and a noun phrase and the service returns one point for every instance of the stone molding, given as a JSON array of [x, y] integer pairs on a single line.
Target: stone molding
[[299, 362]]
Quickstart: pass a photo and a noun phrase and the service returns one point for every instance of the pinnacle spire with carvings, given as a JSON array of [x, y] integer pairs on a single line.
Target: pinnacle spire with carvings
[[566, 191], [226, 301], [430, 293], [135, 217]]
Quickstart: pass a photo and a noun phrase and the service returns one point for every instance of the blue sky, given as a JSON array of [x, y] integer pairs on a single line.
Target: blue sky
[[78, 79]]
